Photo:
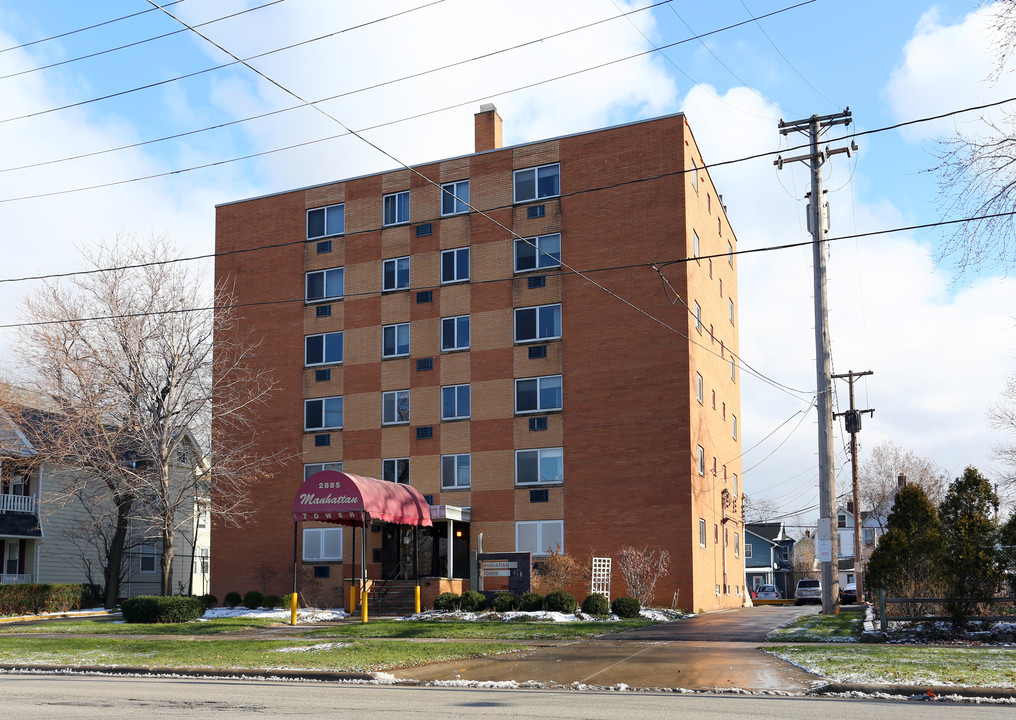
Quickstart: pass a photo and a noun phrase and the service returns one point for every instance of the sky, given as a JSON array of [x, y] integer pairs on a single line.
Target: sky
[[83, 128]]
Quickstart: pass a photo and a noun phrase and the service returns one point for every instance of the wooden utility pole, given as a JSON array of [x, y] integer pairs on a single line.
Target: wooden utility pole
[[853, 422], [827, 545]]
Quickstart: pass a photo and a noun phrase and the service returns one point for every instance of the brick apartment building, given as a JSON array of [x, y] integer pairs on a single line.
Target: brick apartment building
[[415, 340]]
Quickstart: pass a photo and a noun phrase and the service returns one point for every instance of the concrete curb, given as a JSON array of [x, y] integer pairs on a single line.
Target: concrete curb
[[60, 616], [321, 675], [929, 691]]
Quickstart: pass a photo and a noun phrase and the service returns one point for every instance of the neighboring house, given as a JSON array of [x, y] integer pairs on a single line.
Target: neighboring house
[[770, 559], [872, 528], [48, 536], [463, 355]]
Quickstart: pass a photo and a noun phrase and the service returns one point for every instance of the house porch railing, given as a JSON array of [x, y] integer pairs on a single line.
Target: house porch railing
[[16, 579], [17, 503]]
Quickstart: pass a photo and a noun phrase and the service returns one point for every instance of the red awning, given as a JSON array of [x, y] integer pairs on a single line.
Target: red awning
[[341, 498]]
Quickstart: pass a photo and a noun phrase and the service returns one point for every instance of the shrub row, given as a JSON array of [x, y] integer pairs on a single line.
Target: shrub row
[[162, 609], [557, 601], [30, 599], [252, 600]]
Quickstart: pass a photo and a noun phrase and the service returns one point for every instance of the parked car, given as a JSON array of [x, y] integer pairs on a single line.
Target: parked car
[[808, 590], [848, 595], [769, 592]]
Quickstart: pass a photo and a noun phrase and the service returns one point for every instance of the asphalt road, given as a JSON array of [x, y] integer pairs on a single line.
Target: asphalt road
[[28, 697]]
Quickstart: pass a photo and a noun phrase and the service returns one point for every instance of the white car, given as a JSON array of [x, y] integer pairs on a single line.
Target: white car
[[808, 590], [768, 592]]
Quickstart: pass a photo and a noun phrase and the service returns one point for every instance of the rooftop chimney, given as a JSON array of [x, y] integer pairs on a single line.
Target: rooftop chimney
[[487, 128], [901, 481]]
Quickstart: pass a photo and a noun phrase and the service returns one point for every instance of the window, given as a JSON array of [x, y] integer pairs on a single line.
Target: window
[[702, 532], [714, 466], [312, 468], [455, 265], [325, 221], [322, 544], [395, 340], [716, 534], [714, 399], [454, 471], [698, 317], [730, 254], [869, 536], [747, 550], [701, 460], [322, 414], [841, 521], [733, 426], [711, 269], [396, 274], [538, 394], [455, 197], [538, 182], [147, 558], [726, 537], [732, 367], [784, 552], [325, 284], [396, 208], [737, 545], [694, 175], [731, 310], [395, 407], [455, 333], [322, 349], [395, 470], [694, 244], [538, 323], [700, 388], [542, 251], [734, 483], [539, 537], [455, 402], [545, 465]]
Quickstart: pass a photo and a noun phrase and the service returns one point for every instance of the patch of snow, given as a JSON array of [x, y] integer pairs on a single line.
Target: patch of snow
[[303, 615], [311, 648]]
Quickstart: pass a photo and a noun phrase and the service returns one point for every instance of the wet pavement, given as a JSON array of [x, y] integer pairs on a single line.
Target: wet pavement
[[715, 650]]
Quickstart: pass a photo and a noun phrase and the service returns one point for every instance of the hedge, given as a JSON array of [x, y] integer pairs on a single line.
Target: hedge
[[162, 609], [625, 607], [31, 599]]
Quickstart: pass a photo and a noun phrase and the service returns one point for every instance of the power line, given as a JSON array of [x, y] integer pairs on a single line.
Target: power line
[[88, 27], [136, 42]]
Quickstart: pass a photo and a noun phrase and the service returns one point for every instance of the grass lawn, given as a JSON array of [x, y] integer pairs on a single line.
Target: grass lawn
[[845, 627], [107, 626], [909, 665], [353, 655], [511, 630]]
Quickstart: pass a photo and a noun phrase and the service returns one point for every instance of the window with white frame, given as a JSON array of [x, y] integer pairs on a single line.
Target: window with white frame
[[701, 460], [539, 394], [455, 402], [322, 413], [747, 550], [695, 246], [312, 468], [395, 340], [455, 265], [737, 545], [700, 388], [322, 349], [537, 182], [698, 317], [729, 300], [395, 274], [455, 333], [734, 482], [733, 367], [326, 221], [733, 426], [455, 471], [395, 470], [147, 556], [869, 536], [322, 544], [542, 322], [542, 251], [395, 407], [325, 284], [539, 537], [730, 254], [694, 175], [543, 465], [455, 197], [396, 208], [702, 532]]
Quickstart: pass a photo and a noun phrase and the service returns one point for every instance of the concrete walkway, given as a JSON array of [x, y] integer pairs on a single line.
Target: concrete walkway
[[712, 651]]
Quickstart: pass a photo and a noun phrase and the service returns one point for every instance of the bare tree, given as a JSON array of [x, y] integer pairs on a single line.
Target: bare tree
[[1002, 417], [641, 569], [977, 171], [879, 475], [126, 353]]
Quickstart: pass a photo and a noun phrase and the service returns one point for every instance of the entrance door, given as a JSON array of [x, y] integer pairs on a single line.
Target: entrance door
[[396, 552]]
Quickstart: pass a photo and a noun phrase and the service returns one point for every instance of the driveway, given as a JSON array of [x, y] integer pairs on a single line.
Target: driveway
[[717, 650]]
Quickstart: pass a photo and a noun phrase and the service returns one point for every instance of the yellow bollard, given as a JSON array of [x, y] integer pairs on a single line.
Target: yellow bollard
[[352, 599], [363, 605], [292, 611], [417, 599]]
